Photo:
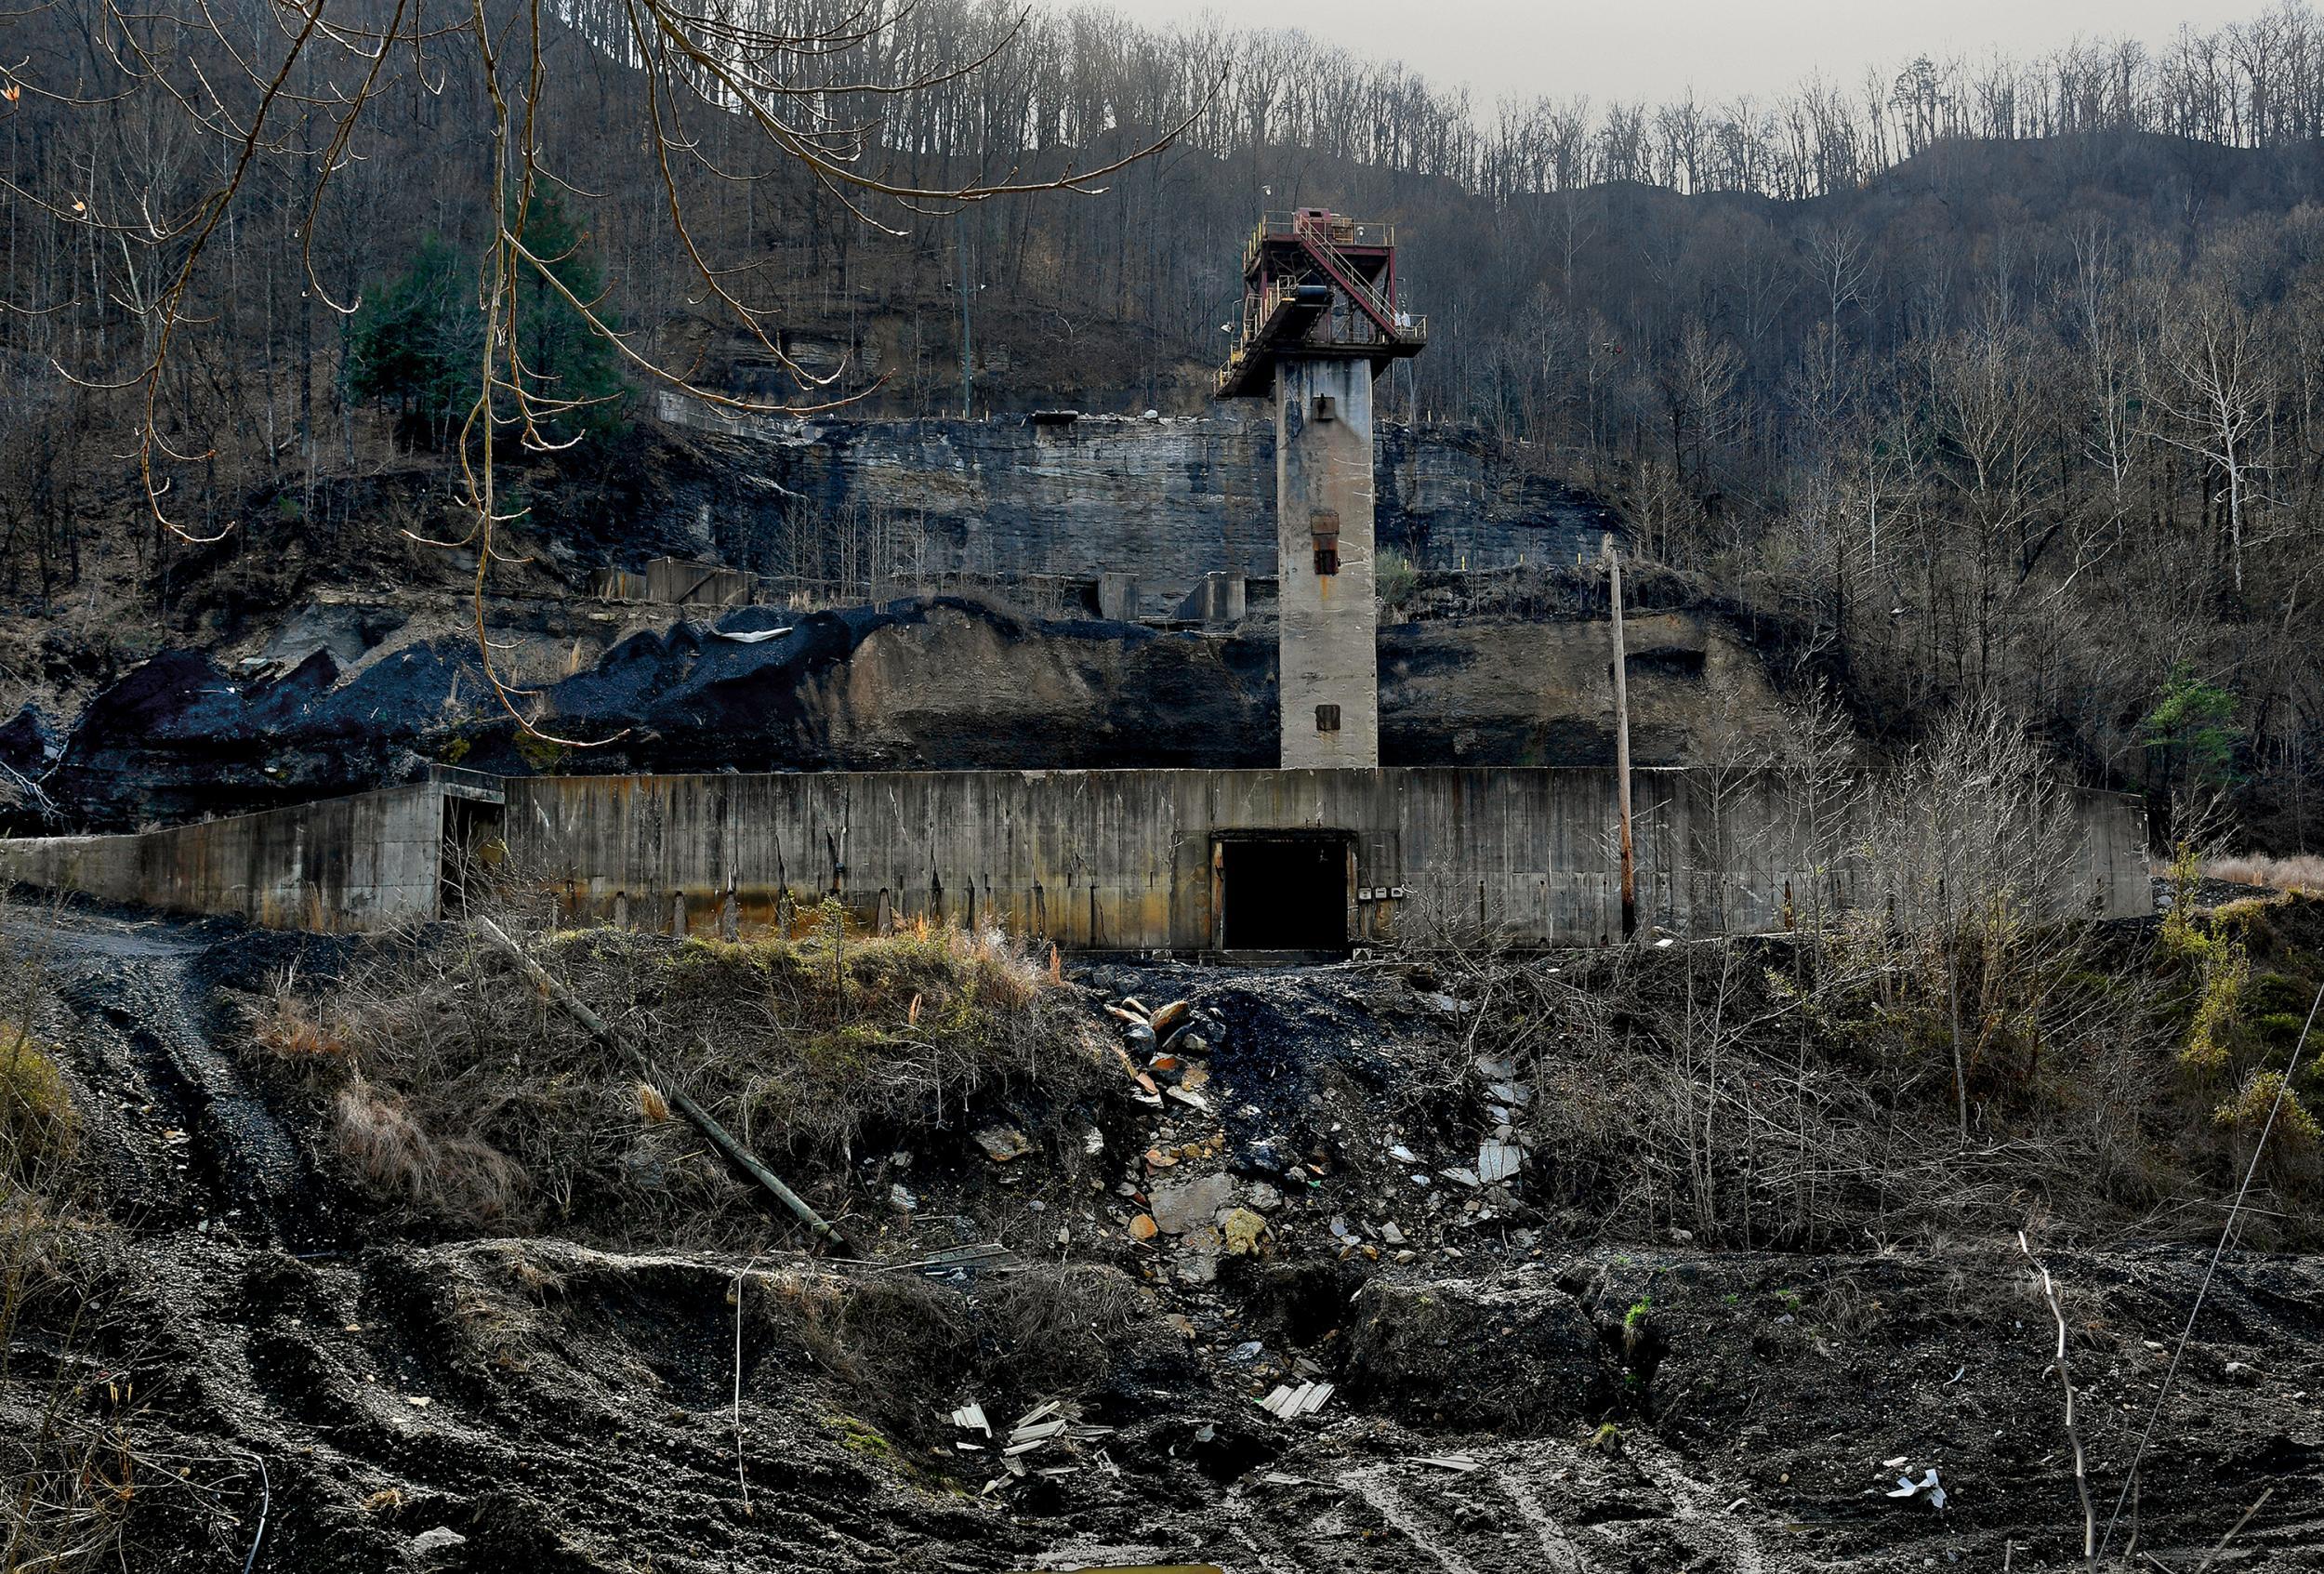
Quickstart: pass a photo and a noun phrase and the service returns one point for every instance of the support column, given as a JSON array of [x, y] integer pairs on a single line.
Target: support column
[[1329, 658]]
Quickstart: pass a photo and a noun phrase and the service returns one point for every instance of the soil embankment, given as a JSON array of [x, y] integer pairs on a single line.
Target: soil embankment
[[1317, 1182]]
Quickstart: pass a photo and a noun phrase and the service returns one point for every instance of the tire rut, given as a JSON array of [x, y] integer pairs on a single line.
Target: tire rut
[[198, 1147]]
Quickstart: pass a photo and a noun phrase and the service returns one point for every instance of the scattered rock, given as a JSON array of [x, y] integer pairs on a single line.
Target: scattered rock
[[1264, 1197], [1166, 1019], [1198, 1260], [1002, 1144], [901, 1199], [1142, 1227], [441, 1539], [1497, 1162], [1247, 1233]]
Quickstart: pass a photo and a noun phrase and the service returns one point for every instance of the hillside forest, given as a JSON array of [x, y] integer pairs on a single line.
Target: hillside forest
[[1974, 380]]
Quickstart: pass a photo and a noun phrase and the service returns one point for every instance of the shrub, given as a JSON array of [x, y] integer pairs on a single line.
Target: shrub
[[2247, 1111], [1395, 576]]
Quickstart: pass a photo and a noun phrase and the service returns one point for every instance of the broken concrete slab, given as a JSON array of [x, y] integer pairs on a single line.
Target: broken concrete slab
[[1497, 1161], [1186, 1205]]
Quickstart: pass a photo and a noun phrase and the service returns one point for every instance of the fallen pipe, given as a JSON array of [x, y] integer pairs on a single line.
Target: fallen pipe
[[718, 1135]]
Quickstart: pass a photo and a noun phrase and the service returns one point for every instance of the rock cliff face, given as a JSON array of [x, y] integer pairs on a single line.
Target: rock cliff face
[[916, 685], [1169, 499]]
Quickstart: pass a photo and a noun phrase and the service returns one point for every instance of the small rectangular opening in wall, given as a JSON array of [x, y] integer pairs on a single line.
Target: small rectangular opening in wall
[[471, 850], [1327, 407], [1326, 718], [1284, 892], [1323, 529]]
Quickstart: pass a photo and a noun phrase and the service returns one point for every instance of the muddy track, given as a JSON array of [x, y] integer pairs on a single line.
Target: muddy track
[[185, 1142]]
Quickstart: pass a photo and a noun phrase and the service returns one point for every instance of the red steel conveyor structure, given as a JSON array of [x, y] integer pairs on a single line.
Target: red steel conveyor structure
[[1317, 283]]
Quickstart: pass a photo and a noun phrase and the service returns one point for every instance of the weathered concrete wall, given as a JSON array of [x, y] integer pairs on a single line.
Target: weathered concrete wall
[[1123, 860], [1327, 606], [344, 863], [1170, 500]]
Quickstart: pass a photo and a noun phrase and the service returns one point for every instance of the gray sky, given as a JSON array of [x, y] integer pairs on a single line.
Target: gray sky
[[1656, 49]]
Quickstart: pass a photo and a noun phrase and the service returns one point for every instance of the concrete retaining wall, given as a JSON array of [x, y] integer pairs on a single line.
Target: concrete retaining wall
[[1098, 860], [1124, 860], [344, 863]]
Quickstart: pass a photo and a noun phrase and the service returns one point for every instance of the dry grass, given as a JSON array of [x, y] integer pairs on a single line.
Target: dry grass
[[394, 1155], [291, 1028], [459, 1094], [39, 1129], [2302, 871], [1060, 1323], [1730, 1091]]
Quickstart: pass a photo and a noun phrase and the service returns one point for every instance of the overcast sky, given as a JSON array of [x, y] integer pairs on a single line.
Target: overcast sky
[[1656, 49]]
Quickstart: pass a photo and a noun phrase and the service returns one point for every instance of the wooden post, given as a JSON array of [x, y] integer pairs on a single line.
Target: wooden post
[[1621, 739]]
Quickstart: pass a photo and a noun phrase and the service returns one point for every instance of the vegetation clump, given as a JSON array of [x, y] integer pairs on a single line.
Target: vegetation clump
[[39, 1127], [462, 1095]]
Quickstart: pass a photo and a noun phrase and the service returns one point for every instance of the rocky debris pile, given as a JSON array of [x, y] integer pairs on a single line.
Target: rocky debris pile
[[1248, 1153]]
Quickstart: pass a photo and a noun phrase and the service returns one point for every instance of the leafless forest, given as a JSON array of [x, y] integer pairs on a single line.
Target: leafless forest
[[1990, 377]]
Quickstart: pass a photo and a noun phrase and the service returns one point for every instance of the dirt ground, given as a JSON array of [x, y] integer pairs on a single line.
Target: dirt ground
[[313, 1383]]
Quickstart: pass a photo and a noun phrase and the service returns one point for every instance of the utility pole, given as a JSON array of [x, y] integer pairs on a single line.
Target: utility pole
[[1621, 738]]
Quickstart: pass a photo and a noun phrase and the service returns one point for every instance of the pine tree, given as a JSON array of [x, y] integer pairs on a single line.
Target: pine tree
[[568, 359], [416, 344]]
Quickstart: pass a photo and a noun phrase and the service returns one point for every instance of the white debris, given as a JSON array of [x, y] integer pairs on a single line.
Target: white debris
[[1907, 1487], [972, 1416], [1461, 1463], [1290, 1403]]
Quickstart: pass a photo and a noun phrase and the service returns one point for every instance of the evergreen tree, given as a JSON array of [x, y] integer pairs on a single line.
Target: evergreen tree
[[568, 358], [415, 345], [2192, 726]]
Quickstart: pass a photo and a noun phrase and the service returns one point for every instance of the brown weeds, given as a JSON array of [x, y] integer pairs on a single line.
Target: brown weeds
[[457, 1093], [2302, 871]]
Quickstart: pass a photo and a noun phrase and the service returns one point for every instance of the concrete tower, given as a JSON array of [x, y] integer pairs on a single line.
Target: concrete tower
[[1320, 321]]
